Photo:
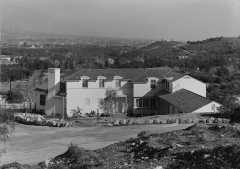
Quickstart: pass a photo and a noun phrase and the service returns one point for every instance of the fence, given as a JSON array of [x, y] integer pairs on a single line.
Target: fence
[[18, 106]]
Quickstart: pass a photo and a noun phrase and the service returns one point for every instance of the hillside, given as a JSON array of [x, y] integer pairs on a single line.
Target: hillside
[[159, 49]]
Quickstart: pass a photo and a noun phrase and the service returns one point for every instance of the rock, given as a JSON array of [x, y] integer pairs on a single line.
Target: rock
[[209, 121], [109, 124], [58, 124], [219, 120], [158, 167], [67, 124], [187, 121], [176, 121], [130, 121], [169, 121], [181, 121], [156, 121], [204, 120], [195, 120], [139, 121], [225, 120], [163, 122], [116, 123], [123, 122], [149, 121]]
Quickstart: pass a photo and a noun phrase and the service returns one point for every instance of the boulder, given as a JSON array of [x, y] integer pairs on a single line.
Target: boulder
[[163, 122], [195, 120], [176, 121], [204, 120], [123, 122], [219, 120], [109, 124], [210, 121], [181, 121], [139, 121], [187, 121], [116, 123], [156, 121], [67, 124], [169, 121], [58, 124], [149, 121], [130, 121]]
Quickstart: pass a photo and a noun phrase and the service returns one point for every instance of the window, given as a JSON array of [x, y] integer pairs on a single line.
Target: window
[[152, 102], [85, 83], [42, 99], [101, 82], [153, 84], [146, 103], [87, 101], [117, 83], [167, 85]]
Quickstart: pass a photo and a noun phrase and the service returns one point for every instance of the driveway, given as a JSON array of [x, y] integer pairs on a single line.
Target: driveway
[[33, 144]]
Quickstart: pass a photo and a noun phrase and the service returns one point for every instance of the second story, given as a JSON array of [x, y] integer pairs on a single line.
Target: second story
[[140, 82]]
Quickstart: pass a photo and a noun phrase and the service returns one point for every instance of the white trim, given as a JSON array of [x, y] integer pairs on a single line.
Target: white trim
[[85, 77], [117, 77]]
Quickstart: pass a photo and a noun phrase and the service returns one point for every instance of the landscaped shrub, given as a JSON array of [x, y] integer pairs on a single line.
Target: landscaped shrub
[[149, 121], [116, 122]]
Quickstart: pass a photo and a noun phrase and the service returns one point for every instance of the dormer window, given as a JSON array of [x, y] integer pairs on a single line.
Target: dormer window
[[85, 83], [153, 84], [167, 85], [117, 83], [101, 83]]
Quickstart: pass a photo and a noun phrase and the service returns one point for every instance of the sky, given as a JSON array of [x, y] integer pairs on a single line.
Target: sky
[[146, 19]]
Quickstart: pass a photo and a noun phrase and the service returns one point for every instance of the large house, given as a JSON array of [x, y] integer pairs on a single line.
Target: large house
[[143, 91]]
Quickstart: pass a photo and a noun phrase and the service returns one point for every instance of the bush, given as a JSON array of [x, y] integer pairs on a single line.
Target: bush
[[14, 97]]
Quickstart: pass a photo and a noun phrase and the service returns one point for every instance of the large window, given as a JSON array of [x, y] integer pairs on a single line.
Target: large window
[[153, 84], [117, 83], [85, 83], [146, 103], [42, 99], [101, 82]]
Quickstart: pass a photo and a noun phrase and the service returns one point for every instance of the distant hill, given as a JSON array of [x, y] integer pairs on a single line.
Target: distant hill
[[159, 49]]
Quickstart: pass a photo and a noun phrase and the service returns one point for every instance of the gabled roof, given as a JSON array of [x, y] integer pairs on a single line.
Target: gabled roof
[[186, 100], [108, 73], [159, 72]]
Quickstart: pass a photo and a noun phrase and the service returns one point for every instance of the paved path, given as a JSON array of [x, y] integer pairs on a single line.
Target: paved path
[[33, 144]]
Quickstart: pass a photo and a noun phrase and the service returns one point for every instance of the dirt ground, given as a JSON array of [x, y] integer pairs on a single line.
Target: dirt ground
[[33, 144]]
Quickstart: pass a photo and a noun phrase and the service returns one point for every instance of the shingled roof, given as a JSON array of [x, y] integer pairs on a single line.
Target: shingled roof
[[136, 75], [108, 73], [186, 100], [159, 72]]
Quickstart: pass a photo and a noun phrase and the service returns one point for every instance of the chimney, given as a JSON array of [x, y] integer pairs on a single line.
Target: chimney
[[53, 81], [53, 89]]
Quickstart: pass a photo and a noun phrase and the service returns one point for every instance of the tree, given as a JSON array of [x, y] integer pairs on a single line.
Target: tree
[[7, 125], [109, 105]]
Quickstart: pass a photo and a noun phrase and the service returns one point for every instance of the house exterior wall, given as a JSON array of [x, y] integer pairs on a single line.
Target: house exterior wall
[[87, 99], [209, 108], [190, 84], [58, 102], [38, 106]]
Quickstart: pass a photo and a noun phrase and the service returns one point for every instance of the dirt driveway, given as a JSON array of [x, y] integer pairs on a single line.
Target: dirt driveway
[[33, 144]]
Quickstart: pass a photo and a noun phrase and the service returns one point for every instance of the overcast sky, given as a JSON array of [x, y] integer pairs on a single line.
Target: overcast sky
[[149, 19]]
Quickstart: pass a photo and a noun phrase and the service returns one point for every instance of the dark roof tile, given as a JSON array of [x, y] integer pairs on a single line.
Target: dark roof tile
[[186, 100]]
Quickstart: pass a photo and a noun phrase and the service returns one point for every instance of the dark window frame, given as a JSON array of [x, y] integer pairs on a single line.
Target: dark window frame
[[85, 83], [42, 100], [101, 83]]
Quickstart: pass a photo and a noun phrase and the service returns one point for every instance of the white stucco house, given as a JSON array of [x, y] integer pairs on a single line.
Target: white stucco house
[[143, 91]]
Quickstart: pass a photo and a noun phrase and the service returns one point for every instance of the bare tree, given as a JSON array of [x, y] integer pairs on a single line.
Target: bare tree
[[109, 105]]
